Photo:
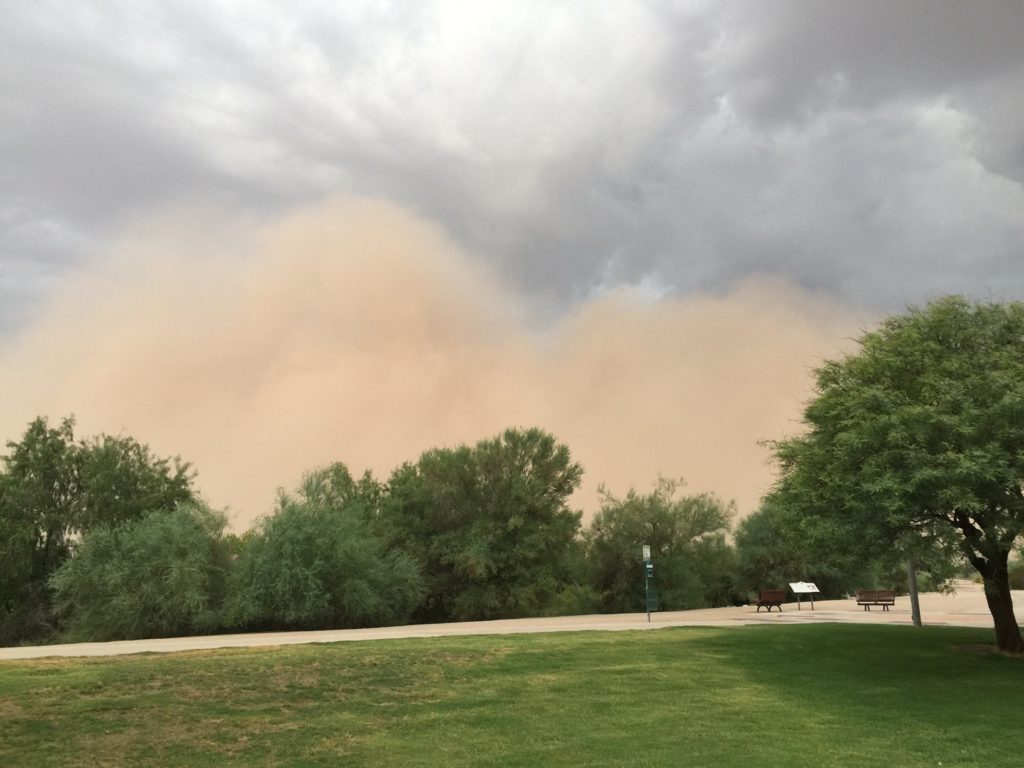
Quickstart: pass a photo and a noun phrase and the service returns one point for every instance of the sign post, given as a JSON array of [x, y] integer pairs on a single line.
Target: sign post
[[804, 588], [650, 594]]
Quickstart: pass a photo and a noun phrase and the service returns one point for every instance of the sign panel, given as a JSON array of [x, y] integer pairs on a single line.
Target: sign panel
[[803, 587], [646, 552], [651, 599]]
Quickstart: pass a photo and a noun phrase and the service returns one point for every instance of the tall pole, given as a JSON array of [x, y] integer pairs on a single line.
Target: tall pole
[[647, 591], [645, 556], [915, 605]]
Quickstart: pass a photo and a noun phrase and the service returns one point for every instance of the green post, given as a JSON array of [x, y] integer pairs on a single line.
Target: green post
[[650, 595]]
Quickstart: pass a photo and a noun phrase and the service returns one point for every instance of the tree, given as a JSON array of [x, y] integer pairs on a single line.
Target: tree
[[488, 525], [693, 562], [914, 443], [121, 480], [39, 512], [771, 552], [161, 575], [53, 489], [316, 564]]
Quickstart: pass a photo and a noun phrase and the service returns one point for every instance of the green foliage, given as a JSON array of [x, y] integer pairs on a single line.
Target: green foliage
[[693, 563], [1016, 569], [574, 599], [913, 445], [121, 480], [38, 513], [488, 525], [334, 486], [577, 595], [52, 490], [770, 554], [315, 563], [937, 579], [158, 576]]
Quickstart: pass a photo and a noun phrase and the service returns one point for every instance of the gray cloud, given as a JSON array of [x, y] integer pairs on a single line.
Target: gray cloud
[[792, 60], [870, 151]]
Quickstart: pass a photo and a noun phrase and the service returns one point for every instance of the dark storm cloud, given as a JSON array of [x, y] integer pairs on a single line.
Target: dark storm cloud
[[793, 59], [871, 151]]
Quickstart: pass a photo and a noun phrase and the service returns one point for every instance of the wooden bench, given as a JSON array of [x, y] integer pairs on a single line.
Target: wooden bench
[[882, 597], [770, 597]]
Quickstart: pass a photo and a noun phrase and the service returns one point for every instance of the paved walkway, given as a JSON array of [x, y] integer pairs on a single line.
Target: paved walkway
[[965, 608]]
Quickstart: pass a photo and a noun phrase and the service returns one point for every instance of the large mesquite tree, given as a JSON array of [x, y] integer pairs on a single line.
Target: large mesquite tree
[[488, 525], [918, 439]]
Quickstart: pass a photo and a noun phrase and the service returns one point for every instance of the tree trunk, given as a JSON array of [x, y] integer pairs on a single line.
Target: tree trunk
[[1000, 603], [915, 605]]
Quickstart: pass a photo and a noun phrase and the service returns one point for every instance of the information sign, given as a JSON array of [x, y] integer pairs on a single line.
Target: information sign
[[804, 588]]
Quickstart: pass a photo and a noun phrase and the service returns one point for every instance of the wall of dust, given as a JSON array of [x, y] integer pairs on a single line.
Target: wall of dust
[[355, 331]]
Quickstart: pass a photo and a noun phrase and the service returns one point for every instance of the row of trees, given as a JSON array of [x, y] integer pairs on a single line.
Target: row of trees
[[912, 451], [104, 540]]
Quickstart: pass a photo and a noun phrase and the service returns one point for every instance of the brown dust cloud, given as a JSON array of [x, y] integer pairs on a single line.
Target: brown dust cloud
[[355, 331]]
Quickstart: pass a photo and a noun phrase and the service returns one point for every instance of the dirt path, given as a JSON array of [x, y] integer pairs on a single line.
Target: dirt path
[[965, 608]]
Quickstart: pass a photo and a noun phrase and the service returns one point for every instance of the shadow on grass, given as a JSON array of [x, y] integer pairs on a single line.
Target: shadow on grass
[[944, 694]]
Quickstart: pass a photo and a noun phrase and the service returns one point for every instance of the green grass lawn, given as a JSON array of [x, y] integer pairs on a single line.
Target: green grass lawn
[[799, 695]]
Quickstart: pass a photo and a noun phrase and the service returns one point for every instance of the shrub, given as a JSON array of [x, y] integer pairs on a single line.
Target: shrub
[[163, 575], [315, 564]]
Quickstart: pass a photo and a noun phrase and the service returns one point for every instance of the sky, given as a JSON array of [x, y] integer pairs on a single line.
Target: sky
[[269, 236]]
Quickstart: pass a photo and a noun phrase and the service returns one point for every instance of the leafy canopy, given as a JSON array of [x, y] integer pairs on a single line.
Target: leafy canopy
[[161, 575], [488, 525], [693, 562], [54, 489], [916, 442], [316, 564]]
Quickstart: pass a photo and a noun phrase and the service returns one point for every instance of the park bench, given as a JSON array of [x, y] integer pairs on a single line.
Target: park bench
[[882, 597], [770, 597]]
